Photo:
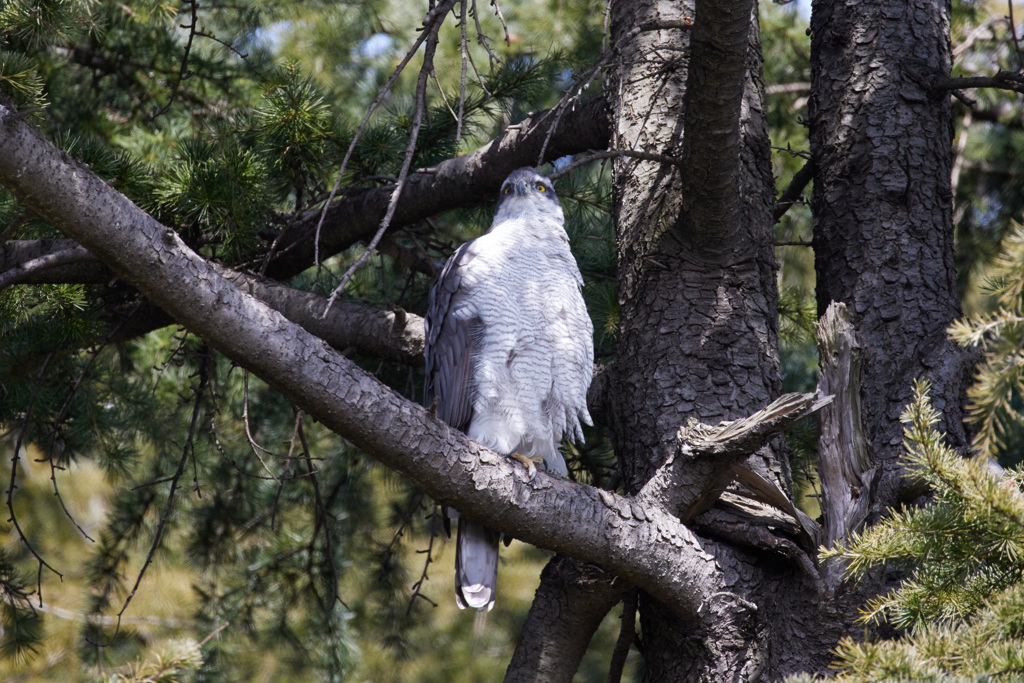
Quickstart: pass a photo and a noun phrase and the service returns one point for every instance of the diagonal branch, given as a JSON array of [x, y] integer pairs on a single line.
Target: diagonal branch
[[716, 450], [738, 438], [791, 195], [394, 335], [432, 22], [644, 544], [417, 119], [463, 181], [571, 601]]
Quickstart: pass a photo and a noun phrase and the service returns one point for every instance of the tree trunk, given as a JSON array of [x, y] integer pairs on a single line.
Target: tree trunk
[[697, 292], [883, 234]]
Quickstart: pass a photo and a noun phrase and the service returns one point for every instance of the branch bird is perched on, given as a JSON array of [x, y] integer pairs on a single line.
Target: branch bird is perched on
[[510, 351]]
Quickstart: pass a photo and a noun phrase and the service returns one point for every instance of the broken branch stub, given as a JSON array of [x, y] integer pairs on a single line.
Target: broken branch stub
[[845, 468]]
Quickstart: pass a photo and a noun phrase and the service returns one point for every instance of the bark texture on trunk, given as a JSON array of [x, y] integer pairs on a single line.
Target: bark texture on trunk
[[883, 233], [571, 601], [697, 294]]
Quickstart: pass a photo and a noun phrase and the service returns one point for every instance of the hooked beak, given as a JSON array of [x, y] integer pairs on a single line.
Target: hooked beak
[[521, 188]]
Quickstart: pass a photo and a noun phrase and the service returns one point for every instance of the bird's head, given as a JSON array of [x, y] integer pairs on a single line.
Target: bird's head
[[529, 195]]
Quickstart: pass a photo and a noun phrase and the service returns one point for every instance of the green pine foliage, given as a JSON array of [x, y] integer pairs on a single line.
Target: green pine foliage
[[997, 396], [21, 622], [262, 546], [960, 607], [252, 522], [965, 546], [989, 189]]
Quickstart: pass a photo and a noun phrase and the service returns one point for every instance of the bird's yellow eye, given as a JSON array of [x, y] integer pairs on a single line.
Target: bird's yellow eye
[[507, 189], [541, 188]]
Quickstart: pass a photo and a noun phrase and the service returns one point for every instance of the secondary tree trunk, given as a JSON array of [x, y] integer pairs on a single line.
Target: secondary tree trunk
[[883, 232]]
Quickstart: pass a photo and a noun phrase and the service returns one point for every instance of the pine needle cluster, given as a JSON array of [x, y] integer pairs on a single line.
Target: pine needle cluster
[[997, 396], [961, 607]]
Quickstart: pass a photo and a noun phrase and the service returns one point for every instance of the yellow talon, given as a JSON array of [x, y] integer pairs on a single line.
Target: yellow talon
[[529, 463]]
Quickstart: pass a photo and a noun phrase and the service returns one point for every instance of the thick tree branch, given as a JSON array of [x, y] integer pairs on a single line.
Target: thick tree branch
[[72, 255], [391, 335], [16, 257], [645, 545], [470, 179], [571, 601], [714, 95], [724, 446]]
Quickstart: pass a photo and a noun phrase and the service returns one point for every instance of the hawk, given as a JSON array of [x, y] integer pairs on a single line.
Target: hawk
[[510, 352]]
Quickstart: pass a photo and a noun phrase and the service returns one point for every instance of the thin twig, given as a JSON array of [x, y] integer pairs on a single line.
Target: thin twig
[[435, 15], [464, 49], [183, 69], [210, 637], [52, 437], [410, 150], [242, 55], [320, 517], [802, 153], [417, 587], [287, 465], [444, 98], [1013, 33], [501, 18], [12, 486], [204, 376], [587, 77], [482, 40], [256, 448], [581, 159]]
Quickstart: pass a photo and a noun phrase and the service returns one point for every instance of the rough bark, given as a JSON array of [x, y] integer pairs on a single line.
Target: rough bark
[[883, 234], [571, 601], [697, 285], [845, 469], [390, 335], [470, 179], [350, 328], [645, 546], [697, 336], [476, 176]]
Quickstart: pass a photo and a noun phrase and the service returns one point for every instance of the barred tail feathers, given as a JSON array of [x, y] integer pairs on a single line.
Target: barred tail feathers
[[476, 565]]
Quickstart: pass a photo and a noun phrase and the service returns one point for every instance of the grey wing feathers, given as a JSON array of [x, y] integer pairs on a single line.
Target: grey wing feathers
[[451, 343]]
